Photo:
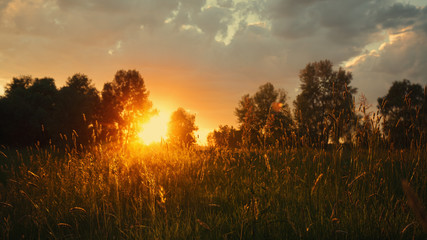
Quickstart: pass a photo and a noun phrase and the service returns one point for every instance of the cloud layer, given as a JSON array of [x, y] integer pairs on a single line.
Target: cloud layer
[[204, 55]]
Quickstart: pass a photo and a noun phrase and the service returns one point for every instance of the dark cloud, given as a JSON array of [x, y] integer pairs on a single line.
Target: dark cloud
[[341, 22], [398, 16], [289, 8], [422, 24], [213, 20], [225, 3]]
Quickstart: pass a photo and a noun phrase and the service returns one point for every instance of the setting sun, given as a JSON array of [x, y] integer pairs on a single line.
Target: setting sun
[[155, 129]]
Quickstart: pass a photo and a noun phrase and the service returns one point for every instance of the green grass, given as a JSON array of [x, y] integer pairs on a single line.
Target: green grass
[[162, 193]]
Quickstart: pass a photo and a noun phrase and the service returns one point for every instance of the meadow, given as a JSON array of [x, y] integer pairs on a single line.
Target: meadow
[[160, 192]]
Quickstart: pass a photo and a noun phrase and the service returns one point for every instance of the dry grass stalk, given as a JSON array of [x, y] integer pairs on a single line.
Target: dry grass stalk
[[415, 203], [203, 224], [313, 189], [356, 178]]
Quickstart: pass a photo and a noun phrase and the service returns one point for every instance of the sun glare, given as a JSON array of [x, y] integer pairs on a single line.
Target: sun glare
[[155, 130]]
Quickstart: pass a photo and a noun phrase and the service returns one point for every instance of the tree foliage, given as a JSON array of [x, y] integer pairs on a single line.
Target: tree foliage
[[78, 107], [35, 110], [225, 137], [324, 108], [181, 128], [264, 117], [404, 109], [125, 104], [27, 110]]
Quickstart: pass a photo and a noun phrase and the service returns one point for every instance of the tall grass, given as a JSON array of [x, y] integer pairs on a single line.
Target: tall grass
[[162, 193]]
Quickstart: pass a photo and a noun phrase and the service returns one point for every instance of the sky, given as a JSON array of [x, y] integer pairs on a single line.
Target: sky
[[204, 55]]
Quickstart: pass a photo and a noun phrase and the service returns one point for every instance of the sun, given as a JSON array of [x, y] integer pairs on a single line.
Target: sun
[[155, 130]]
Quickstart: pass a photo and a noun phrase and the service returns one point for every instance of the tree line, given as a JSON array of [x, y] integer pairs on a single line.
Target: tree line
[[35, 111], [325, 113]]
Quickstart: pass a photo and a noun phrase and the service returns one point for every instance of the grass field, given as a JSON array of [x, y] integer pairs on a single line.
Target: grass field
[[162, 193]]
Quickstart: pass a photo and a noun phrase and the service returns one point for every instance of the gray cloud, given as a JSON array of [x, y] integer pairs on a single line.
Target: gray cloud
[[225, 3], [398, 16], [422, 24], [213, 20]]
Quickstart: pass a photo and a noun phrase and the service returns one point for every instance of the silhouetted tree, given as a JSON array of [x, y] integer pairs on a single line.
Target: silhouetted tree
[[15, 112], [404, 109], [125, 104], [246, 117], [181, 128], [324, 110], [225, 136], [27, 111], [78, 108], [42, 100], [18, 86], [265, 117]]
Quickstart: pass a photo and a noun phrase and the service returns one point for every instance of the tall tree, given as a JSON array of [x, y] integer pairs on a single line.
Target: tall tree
[[246, 117], [18, 86], [264, 117], [125, 104], [404, 109], [42, 96], [181, 128], [27, 111], [78, 107], [324, 110]]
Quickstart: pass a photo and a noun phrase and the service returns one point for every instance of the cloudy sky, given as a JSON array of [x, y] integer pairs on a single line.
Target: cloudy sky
[[204, 55]]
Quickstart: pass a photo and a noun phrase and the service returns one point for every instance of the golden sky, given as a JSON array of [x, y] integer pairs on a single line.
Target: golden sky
[[204, 55]]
